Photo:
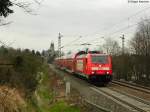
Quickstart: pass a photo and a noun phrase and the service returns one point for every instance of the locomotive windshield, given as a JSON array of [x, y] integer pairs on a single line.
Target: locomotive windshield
[[100, 59]]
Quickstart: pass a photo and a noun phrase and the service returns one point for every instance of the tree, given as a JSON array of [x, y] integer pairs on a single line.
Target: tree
[[33, 52], [111, 46], [4, 8], [38, 53], [140, 45], [43, 53], [141, 41]]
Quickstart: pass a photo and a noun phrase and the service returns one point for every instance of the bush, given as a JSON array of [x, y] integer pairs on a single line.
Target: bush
[[24, 70], [132, 67]]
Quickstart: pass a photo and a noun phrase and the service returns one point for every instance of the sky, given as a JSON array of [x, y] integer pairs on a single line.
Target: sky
[[89, 19]]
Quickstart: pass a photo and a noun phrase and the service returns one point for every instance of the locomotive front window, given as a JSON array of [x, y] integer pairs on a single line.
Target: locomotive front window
[[100, 59]]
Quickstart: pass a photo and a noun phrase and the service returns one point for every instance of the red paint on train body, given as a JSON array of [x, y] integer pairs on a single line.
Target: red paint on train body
[[95, 66]]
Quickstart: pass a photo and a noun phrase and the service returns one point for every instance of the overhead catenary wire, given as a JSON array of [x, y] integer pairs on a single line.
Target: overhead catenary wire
[[126, 19], [95, 39], [125, 28], [119, 30], [69, 43]]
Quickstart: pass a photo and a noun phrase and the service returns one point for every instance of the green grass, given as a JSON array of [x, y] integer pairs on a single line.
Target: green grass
[[43, 88], [63, 107], [46, 96], [44, 93]]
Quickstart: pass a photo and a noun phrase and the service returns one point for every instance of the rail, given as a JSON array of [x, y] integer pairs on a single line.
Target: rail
[[133, 86]]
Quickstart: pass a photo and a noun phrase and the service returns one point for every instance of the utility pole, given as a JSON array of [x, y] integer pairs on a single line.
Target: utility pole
[[59, 45], [123, 40]]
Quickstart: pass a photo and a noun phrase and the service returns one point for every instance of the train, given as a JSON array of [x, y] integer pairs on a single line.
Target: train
[[95, 66]]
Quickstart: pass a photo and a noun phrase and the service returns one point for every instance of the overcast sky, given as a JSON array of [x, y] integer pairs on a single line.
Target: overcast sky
[[90, 19]]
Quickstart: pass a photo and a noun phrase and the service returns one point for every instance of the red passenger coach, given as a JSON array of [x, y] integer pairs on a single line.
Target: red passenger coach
[[93, 65]]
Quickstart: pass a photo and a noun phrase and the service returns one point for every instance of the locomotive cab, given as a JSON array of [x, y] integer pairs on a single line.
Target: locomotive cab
[[99, 67]]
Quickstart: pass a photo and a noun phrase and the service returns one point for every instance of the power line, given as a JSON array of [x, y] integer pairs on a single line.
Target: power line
[[122, 29], [95, 39], [69, 43], [125, 28], [126, 19]]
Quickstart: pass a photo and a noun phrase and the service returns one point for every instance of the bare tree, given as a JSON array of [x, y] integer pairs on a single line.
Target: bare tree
[[140, 44], [141, 41], [111, 46], [5, 9]]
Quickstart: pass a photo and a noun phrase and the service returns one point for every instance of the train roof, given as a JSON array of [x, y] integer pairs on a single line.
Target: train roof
[[90, 53], [70, 56]]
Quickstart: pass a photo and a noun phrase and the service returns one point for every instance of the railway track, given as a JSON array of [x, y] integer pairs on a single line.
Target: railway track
[[63, 74], [120, 99], [134, 97], [133, 86], [131, 101], [98, 107]]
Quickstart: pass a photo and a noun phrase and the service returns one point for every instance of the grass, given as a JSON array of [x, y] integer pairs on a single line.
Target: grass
[[62, 106], [45, 96]]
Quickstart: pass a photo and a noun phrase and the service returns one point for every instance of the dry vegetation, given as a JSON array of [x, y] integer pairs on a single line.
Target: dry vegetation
[[10, 100], [19, 70]]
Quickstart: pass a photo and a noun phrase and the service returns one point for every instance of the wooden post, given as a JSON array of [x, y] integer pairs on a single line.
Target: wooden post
[[67, 88]]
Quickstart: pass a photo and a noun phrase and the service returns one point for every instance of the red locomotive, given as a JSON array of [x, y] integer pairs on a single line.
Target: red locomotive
[[93, 65]]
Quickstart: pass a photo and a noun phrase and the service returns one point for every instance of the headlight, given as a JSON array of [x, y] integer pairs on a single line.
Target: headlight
[[107, 72]]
